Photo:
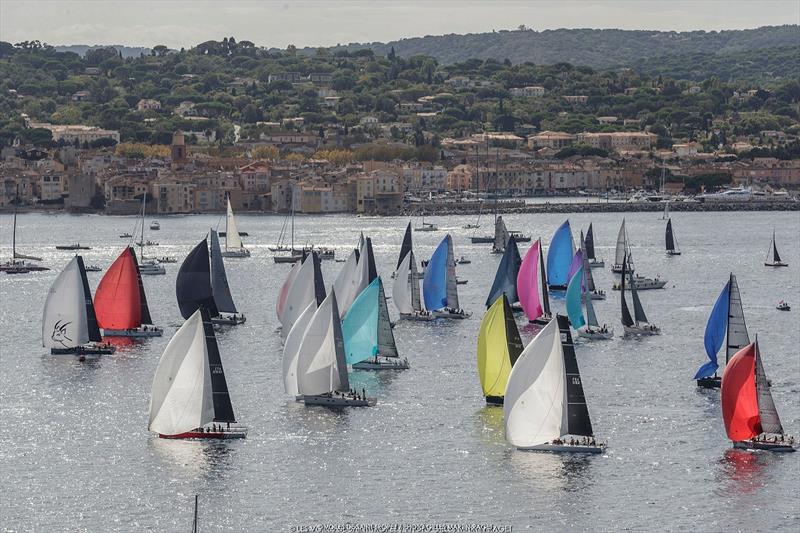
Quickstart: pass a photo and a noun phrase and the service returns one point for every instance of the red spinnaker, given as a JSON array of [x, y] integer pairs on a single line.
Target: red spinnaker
[[740, 397], [117, 301]]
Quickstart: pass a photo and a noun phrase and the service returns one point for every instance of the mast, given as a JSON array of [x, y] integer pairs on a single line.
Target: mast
[[387, 346], [223, 410], [145, 309], [591, 317], [415, 299], [14, 232], [626, 314], [292, 196], [543, 275], [577, 412], [638, 310]]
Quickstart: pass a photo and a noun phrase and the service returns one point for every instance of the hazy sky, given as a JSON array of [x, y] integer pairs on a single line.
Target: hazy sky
[[177, 23]]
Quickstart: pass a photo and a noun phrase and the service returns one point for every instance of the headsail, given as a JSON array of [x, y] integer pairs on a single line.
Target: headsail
[[307, 286], [622, 245], [500, 235], [402, 287], [321, 365], [117, 299], [574, 306], [505, 280], [292, 346], [638, 310], [575, 264], [219, 280], [65, 321], [739, 397], [499, 346], [415, 295], [559, 256], [287, 284], [346, 283], [387, 347], [360, 326]]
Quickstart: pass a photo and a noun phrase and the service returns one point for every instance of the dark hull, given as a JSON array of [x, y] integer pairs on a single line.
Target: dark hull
[[494, 400], [482, 240], [714, 382], [327, 400], [84, 350]]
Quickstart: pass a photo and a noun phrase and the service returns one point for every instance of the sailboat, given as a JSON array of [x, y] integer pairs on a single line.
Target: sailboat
[[17, 264], [775, 260], [560, 257], [233, 241], [672, 246], [406, 247], [439, 287], [531, 275], [149, 267], [505, 280], [194, 288], [748, 410], [545, 407], [405, 291], [665, 216], [621, 250], [426, 226], [280, 246], [321, 365], [368, 338], [294, 255], [638, 325], [228, 314], [69, 323], [591, 289], [589, 249], [120, 301], [189, 397], [501, 236], [726, 320], [499, 347], [577, 296], [306, 286]]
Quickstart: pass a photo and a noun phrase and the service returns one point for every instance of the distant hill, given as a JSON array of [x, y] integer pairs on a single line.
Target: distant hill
[[127, 51], [594, 48]]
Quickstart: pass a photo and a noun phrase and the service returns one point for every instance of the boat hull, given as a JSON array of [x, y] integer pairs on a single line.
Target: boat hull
[[237, 433], [617, 269], [641, 330], [382, 364], [418, 318], [482, 240], [151, 331], [673, 252], [596, 335], [244, 252], [541, 321], [778, 264], [563, 448], [451, 314], [327, 400], [557, 287], [286, 259], [783, 447], [494, 400], [99, 349], [229, 320], [643, 285], [713, 382]]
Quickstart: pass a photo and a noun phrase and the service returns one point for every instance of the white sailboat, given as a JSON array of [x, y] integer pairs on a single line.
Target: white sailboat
[[233, 241], [544, 406], [307, 285], [405, 291], [69, 323], [147, 266], [17, 264], [189, 397], [622, 249]]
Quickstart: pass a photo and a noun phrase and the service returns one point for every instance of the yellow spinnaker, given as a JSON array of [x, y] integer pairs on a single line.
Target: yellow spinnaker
[[494, 362]]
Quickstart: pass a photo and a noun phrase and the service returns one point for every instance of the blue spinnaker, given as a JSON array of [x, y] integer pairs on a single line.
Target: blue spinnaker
[[559, 256], [716, 329], [574, 309], [360, 325], [434, 284]]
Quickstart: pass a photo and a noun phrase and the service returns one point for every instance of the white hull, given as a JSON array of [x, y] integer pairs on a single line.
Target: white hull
[[451, 314], [644, 284], [244, 252], [563, 448], [151, 331], [151, 270], [641, 329]]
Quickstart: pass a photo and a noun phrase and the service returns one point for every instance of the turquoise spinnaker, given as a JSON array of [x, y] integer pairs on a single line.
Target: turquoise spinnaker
[[360, 325], [574, 309]]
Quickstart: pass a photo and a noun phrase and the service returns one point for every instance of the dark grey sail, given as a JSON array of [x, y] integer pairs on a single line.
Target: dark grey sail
[[223, 410], [145, 309], [776, 258], [373, 271], [638, 310], [543, 282], [338, 341], [513, 340], [91, 317], [219, 280], [386, 343], [578, 421], [505, 280], [406, 246], [670, 238], [589, 243], [193, 284], [737, 337], [770, 421], [319, 282], [626, 314]]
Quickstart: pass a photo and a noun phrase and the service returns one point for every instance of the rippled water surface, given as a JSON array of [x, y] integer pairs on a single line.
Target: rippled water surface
[[75, 453]]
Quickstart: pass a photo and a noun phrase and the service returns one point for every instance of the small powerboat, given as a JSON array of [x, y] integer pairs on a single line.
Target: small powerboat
[[783, 306]]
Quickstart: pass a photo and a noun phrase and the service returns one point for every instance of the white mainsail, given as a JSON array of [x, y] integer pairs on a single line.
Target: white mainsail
[[346, 282], [416, 301], [280, 306], [452, 282], [64, 321], [291, 348], [318, 362], [535, 402], [622, 245], [181, 395], [300, 294], [232, 239], [401, 289]]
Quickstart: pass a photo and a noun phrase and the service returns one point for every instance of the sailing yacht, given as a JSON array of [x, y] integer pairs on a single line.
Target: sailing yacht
[[577, 295], [301, 288], [775, 259], [499, 347], [426, 226], [545, 407], [439, 287], [233, 241], [726, 320], [638, 325], [531, 275], [148, 267], [622, 250], [69, 323], [560, 255], [589, 249], [18, 264], [505, 280], [671, 241], [189, 397], [591, 289], [228, 314], [120, 301], [405, 291], [665, 216], [501, 236], [748, 410], [368, 338]]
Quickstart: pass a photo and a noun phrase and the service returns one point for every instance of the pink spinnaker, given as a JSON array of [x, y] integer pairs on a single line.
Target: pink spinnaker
[[281, 304], [528, 283]]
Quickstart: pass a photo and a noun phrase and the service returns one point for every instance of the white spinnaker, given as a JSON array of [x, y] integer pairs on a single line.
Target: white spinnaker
[[300, 294], [619, 254], [281, 304], [401, 289], [534, 406], [232, 239], [346, 281], [181, 395], [291, 348], [316, 358], [64, 321]]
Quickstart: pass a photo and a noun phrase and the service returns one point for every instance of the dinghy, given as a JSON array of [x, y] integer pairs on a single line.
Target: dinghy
[[671, 243], [589, 250], [120, 301], [773, 257], [228, 315], [439, 286], [499, 346], [233, 241], [559, 258], [505, 280], [368, 338], [531, 275], [306, 286], [189, 397], [588, 327], [501, 236], [426, 226], [726, 321], [69, 323], [748, 410], [405, 292], [622, 250], [545, 407], [321, 366], [638, 325]]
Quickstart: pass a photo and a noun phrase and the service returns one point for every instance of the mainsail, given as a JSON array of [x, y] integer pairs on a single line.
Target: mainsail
[[145, 309], [500, 235], [307, 286], [505, 280], [68, 320], [626, 314], [414, 284], [638, 310], [346, 282], [670, 237], [321, 365], [578, 421], [559, 256], [622, 247], [232, 239], [589, 243], [193, 284], [770, 421], [776, 257], [499, 347], [737, 329], [219, 280], [406, 246]]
